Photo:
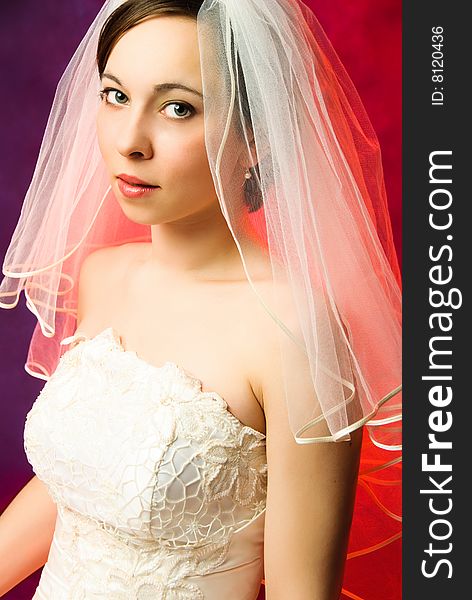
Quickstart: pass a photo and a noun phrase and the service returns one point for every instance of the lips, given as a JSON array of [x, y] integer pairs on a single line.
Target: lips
[[135, 181], [135, 190]]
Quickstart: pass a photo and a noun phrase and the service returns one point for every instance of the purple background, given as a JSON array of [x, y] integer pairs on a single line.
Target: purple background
[[37, 40]]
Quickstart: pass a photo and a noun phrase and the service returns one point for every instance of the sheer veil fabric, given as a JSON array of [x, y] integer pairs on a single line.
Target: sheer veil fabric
[[274, 87]]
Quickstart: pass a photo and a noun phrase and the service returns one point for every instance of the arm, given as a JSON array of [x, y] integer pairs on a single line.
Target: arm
[[310, 501], [27, 524], [26, 530]]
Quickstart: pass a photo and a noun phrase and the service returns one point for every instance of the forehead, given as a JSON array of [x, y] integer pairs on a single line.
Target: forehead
[[159, 48]]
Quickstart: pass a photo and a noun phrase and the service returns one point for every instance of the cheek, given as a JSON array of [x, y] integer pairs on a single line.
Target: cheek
[[103, 135], [186, 155]]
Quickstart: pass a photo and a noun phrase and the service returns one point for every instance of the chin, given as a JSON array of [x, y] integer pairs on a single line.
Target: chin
[[140, 215]]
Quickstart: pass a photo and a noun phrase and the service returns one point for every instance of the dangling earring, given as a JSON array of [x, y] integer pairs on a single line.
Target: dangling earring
[[252, 190]]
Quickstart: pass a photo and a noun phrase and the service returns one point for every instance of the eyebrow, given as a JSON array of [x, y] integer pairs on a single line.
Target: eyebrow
[[171, 85]]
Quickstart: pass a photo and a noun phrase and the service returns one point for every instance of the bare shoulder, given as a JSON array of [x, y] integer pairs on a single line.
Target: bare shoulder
[[268, 332], [105, 257], [98, 272], [280, 351]]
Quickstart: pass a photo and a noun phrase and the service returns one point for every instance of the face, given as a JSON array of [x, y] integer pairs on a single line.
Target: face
[[157, 135]]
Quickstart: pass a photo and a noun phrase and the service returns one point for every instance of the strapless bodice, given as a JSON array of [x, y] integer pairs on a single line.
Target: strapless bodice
[[160, 489]]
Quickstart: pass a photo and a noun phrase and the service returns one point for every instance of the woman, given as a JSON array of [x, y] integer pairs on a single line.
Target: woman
[[242, 233]]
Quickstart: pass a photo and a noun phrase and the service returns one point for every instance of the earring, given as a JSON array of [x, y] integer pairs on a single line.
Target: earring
[[247, 174]]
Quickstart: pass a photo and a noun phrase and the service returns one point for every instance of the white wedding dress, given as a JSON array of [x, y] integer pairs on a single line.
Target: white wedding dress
[[160, 489]]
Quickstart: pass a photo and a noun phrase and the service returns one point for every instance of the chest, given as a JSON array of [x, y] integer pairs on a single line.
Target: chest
[[143, 449], [213, 330]]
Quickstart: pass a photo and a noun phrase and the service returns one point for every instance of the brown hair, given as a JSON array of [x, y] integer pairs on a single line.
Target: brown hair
[[131, 13]]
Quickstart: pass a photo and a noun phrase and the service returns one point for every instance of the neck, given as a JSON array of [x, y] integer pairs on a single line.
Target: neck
[[195, 247]]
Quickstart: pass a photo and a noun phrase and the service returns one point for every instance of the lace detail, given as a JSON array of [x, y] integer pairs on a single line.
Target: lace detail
[[152, 476]]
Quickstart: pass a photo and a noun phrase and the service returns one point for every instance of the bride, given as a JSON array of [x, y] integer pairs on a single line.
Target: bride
[[186, 327]]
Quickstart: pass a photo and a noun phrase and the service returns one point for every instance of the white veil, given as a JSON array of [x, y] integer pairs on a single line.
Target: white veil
[[271, 78]]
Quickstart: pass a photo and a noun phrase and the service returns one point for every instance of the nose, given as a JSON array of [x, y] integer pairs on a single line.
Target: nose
[[133, 139]]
